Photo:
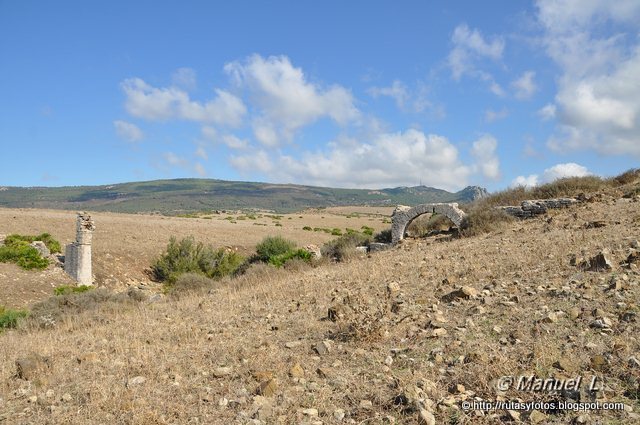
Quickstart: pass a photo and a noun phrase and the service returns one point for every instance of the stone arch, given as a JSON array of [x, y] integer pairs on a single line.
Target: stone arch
[[404, 215]]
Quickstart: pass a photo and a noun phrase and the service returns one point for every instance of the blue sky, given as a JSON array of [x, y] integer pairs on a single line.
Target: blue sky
[[348, 94]]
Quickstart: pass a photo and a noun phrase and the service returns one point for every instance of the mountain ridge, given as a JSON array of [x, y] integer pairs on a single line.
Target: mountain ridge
[[174, 196]]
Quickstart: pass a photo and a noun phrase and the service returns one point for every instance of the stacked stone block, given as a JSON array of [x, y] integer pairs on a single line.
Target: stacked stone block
[[77, 258]]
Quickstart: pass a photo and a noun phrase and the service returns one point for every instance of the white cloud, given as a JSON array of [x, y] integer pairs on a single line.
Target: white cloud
[[255, 162], [201, 153], [490, 115], [487, 162], [525, 86], [547, 112], [529, 181], [469, 47], [234, 142], [595, 44], [558, 171], [199, 169], [287, 101], [397, 91], [128, 131], [175, 160], [390, 159], [162, 104], [185, 78]]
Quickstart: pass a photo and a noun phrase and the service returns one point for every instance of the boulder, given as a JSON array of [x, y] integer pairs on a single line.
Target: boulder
[[41, 248]]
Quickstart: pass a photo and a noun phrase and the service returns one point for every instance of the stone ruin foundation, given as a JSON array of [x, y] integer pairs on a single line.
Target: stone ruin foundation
[[77, 255], [403, 215]]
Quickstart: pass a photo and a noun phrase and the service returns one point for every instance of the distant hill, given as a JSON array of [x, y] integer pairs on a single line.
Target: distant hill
[[186, 195]]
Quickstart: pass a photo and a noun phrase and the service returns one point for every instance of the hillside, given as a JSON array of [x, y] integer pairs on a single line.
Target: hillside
[[188, 195], [414, 335]]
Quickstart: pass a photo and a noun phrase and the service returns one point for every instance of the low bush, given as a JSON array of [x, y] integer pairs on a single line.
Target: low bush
[[307, 228], [191, 282], [336, 232], [281, 259], [49, 312], [272, 246], [629, 176], [383, 237], [9, 318], [483, 218], [367, 230], [23, 254], [342, 248], [68, 289], [189, 256], [52, 244]]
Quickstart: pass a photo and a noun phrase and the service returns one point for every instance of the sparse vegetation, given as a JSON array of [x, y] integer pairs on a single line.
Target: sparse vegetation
[[307, 228], [9, 318], [383, 237], [281, 259], [68, 289], [189, 256], [52, 244], [24, 255], [343, 248], [272, 246]]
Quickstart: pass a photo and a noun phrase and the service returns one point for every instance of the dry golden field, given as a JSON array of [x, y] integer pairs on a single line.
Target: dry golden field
[[125, 244], [405, 336]]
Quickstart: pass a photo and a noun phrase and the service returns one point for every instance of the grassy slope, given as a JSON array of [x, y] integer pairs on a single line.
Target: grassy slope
[[170, 196], [522, 272]]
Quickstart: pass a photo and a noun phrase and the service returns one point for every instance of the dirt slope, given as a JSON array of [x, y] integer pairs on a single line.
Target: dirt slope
[[411, 335]]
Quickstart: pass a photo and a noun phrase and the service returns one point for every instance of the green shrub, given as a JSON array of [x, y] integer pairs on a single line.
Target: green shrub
[[272, 246], [383, 237], [23, 254], [9, 318], [344, 247], [281, 259], [189, 256], [367, 230], [307, 228], [68, 289], [336, 232], [52, 244]]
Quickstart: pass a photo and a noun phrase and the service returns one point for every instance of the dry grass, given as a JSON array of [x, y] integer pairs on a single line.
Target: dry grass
[[522, 273]]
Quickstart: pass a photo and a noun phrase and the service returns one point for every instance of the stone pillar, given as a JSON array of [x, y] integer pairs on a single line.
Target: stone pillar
[[77, 258]]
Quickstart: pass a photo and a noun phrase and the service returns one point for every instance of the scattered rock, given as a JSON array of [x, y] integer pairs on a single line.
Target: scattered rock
[[362, 249], [599, 263], [135, 381], [293, 344], [366, 404], [426, 418], [296, 371], [464, 292], [323, 347], [378, 246], [41, 247], [313, 250], [222, 371], [338, 415], [393, 288], [30, 367], [537, 417], [594, 224], [310, 412], [267, 388], [599, 363]]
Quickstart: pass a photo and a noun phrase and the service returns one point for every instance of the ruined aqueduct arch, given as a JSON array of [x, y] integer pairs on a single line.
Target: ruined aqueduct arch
[[403, 216]]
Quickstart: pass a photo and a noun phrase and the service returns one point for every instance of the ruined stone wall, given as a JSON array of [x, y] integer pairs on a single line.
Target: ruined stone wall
[[533, 208], [77, 256], [404, 215]]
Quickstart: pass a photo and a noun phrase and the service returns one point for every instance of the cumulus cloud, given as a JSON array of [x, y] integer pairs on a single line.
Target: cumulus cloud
[[286, 99], [528, 181], [469, 46], [598, 101], [407, 100], [128, 131], [547, 112], [558, 171], [487, 162], [390, 159], [185, 78], [161, 104], [490, 115], [397, 91], [525, 86]]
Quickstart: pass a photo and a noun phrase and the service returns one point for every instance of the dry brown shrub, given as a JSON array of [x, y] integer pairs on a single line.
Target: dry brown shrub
[[629, 176], [482, 218]]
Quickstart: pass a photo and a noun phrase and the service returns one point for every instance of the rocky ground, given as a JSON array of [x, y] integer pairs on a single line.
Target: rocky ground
[[412, 335]]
